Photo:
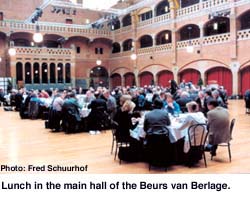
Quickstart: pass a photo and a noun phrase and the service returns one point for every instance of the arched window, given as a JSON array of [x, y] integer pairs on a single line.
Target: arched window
[[163, 37], [60, 73], [162, 8], [218, 25], [67, 73], [126, 21], [127, 45], [44, 73], [28, 73], [19, 72], [116, 47], [245, 21], [190, 31], [99, 77], [146, 41], [186, 3], [36, 73], [52, 73]]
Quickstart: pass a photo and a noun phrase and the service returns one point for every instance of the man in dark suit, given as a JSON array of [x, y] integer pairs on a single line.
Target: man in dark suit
[[157, 120]]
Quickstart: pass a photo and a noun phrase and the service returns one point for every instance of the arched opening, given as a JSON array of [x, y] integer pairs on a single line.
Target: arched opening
[[67, 73], [22, 42], [190, 75], [36, 73], [52, 73], [99, 77], [146, 41], [126, 21], [28, 73], [22, 39], [129, 79], [218, 25], [145, 14], [116, 24], [19, 72], [221, 76], [162, 8], [245, 79], [53, 41], [44, 73], [116, 47], [186, 3], [163, 37], [60, 73], [127, 45], [190, 31], [164, 77], [146, 78], [245, 20], [116, 80]]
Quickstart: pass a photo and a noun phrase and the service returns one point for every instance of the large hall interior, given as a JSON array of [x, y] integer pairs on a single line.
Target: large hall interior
[[126, 86]]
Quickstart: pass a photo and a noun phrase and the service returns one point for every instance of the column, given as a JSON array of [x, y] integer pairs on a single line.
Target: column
[[235, 66], [174, 33], [201, 26], [233, 33]]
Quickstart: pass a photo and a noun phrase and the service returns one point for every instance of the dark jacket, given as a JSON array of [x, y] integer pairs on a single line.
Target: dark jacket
[[156, 122]]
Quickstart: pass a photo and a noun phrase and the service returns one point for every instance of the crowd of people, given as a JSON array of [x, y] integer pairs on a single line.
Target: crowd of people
[[125, 105]]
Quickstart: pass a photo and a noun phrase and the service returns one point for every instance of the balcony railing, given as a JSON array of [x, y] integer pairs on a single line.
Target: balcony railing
[[188, 10], [243, 34], [44, 51], [185, 43], [58, 28], [163, 47], [215, 39]]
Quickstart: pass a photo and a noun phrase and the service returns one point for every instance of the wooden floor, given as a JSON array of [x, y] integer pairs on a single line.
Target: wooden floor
[[24, 142]]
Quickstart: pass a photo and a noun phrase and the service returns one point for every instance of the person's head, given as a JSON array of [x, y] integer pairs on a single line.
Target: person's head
[[106, 93], [192, 107], [215, 94], [212, 104], [128, 106], [158, 104], [123, 98], [201, 94], [169, 98], [71, 95], [208, 93], [185, 94]]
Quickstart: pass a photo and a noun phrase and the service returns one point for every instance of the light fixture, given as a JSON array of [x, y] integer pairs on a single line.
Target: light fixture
[[32, 44], [0, 59], [12, 51], [133, 56], [36, 72], [112, 27], [58, 68], [215, 26], [87, 21], [166, 36], [166, 9], [98, 62], [45, 70], [28, 73], [37, 37]]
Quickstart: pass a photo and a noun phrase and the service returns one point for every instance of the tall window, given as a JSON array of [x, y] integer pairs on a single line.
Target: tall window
[[146, 15], [60, 73], [67, 73], [44, 73], [52, 73], [36, 73], [19, 72], [27, 73]]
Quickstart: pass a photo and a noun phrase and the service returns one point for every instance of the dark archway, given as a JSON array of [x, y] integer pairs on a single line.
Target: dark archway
[[146, 41], [163, 37], [245, 79], [218, 25], [67, 73], [127, 45], [190, 31], [129, 79], [186, 3], [28, 74], [116, 47], [245, 20], [126, 21], [44, 73], [221, 76], [52, 73], [99, 77], [36, 73], [116, 80], [60, 73], [162, 8], [19, 72]]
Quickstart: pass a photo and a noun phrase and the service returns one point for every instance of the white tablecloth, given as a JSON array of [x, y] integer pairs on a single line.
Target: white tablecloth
[[174, 133], [84, 112]]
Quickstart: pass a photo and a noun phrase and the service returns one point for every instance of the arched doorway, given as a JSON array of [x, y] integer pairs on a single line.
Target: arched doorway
[[221, 76], [190, 75], [116, 80], [52, 73], [28, 74], [44, 73], [67, 73], [245, 79], [164, 77], [36, 73], [19, 72], [99, 77], [129, 79], [146, 78], [146, 41], [188, 32]]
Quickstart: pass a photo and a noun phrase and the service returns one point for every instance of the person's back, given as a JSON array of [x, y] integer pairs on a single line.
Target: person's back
[[218, 120]]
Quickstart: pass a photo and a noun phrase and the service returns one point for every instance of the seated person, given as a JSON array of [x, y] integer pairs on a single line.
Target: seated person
[[172, 107], [157, 120], [219, 126], [183, 100]]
